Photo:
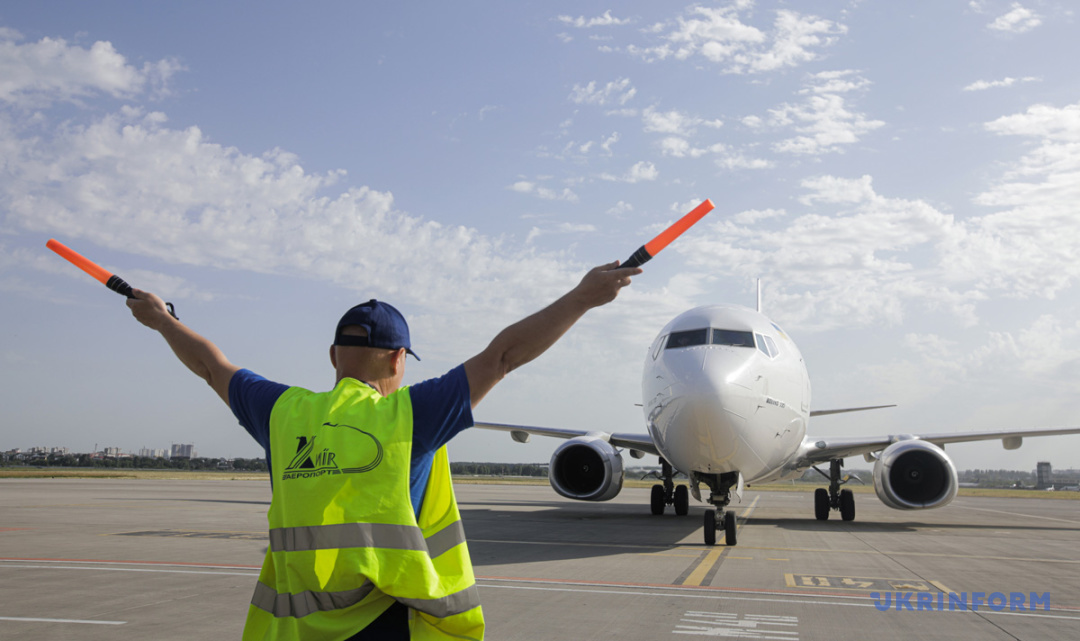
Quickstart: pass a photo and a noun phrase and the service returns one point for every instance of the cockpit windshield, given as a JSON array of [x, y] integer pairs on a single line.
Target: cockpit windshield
[[710, 336], [688, 338], [734, 338]]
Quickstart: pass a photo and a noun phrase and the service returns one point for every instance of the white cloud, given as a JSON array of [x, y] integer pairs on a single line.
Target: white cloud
[[561, 228], [1051, 123], [1046, 354], [1027, 238], [831, 190], [639, 172], [735, 161], [546, 193], [674, 122], [823, 120], [681, 148], [752, 122], [609, 141], [1018, 20], [675, 146], [603, 20], [752, 216], [853, 264], [982, 85], [39, 73], [618, 91], [720, 35], [862, 258], [127, 182]]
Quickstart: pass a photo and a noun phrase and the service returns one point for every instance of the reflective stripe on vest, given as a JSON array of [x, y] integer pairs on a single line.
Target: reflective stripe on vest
[[365, 535], [302, 604], [305, 603]]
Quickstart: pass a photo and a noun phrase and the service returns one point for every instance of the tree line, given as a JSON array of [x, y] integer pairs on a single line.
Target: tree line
[[499, 469], [141, 462]]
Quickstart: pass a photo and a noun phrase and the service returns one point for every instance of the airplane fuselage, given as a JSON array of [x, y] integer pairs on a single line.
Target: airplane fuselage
[[725, 390]]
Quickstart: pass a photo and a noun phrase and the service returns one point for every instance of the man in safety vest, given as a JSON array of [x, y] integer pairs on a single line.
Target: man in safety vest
[[365, 537]]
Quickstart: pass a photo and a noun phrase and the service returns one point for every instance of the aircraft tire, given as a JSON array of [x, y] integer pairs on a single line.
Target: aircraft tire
[[656, 500], [710, 527], [821, 504], [730, 528], [847, 505], [682, 500]]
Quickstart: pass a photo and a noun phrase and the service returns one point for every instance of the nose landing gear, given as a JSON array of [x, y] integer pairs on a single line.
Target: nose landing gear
[[714, 524], [720, 486]]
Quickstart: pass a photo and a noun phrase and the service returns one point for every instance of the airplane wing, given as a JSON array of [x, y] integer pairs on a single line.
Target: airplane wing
[[847, 409], [520, 433], [825, 449]]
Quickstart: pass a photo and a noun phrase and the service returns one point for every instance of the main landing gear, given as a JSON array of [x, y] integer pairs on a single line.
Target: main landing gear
[[834, 498], [669, 493], [720, 495]]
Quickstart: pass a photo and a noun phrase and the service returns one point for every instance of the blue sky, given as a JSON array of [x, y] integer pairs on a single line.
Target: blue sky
[[903, 177]]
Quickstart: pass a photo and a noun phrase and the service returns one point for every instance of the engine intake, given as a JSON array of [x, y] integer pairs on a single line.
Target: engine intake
[[914, 475], [586, 468]]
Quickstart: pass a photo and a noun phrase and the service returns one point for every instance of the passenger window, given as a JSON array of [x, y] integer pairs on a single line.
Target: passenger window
[[688, 338], [732, 337]]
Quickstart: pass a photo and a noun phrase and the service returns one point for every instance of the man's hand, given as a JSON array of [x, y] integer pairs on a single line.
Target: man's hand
[[149, 309], [602, 284]]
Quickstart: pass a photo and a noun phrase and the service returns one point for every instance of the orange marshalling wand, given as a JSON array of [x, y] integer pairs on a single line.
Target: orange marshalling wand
[[646, 252], [110, 280]]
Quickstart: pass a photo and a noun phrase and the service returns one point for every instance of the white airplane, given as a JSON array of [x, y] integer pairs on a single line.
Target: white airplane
[[726, 399]]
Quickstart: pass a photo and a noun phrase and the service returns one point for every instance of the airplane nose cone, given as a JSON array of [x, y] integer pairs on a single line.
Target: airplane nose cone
[[706, 409]]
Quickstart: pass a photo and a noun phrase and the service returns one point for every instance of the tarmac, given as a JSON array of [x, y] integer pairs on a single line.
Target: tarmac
[[141, 559]]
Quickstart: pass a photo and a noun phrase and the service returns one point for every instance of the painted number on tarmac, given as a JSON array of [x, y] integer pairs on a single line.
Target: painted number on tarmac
[[745, 626], [856, 583]]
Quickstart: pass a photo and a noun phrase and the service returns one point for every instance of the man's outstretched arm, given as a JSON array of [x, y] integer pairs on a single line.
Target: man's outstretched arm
[[532, 336], [199, 355]]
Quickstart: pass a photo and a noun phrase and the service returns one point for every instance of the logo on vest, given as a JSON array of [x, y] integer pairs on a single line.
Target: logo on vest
[[357, 446]]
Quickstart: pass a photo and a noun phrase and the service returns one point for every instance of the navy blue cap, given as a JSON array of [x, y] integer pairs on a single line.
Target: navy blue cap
[[385, 325]]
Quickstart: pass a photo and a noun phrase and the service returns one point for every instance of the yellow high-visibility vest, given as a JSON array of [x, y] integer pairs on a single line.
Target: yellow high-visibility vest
[[344, 540]]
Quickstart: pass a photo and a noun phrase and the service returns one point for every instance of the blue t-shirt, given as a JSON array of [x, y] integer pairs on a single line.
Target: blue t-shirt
[[441, 409]]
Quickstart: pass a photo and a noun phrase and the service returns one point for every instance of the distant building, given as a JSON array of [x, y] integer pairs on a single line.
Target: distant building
[[113, 451], [182, 450], [148, 452], [1043, 476]]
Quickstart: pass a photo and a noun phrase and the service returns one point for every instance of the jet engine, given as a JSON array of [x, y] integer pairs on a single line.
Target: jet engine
[[586, 468], [914, 474]]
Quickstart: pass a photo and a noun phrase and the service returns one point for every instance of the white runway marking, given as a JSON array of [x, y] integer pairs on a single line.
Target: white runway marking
[[123, 569], [728, 624], [1027, 516], [86, 621]]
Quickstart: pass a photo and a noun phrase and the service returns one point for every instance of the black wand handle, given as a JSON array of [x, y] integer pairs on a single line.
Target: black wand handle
[[120, 286]]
